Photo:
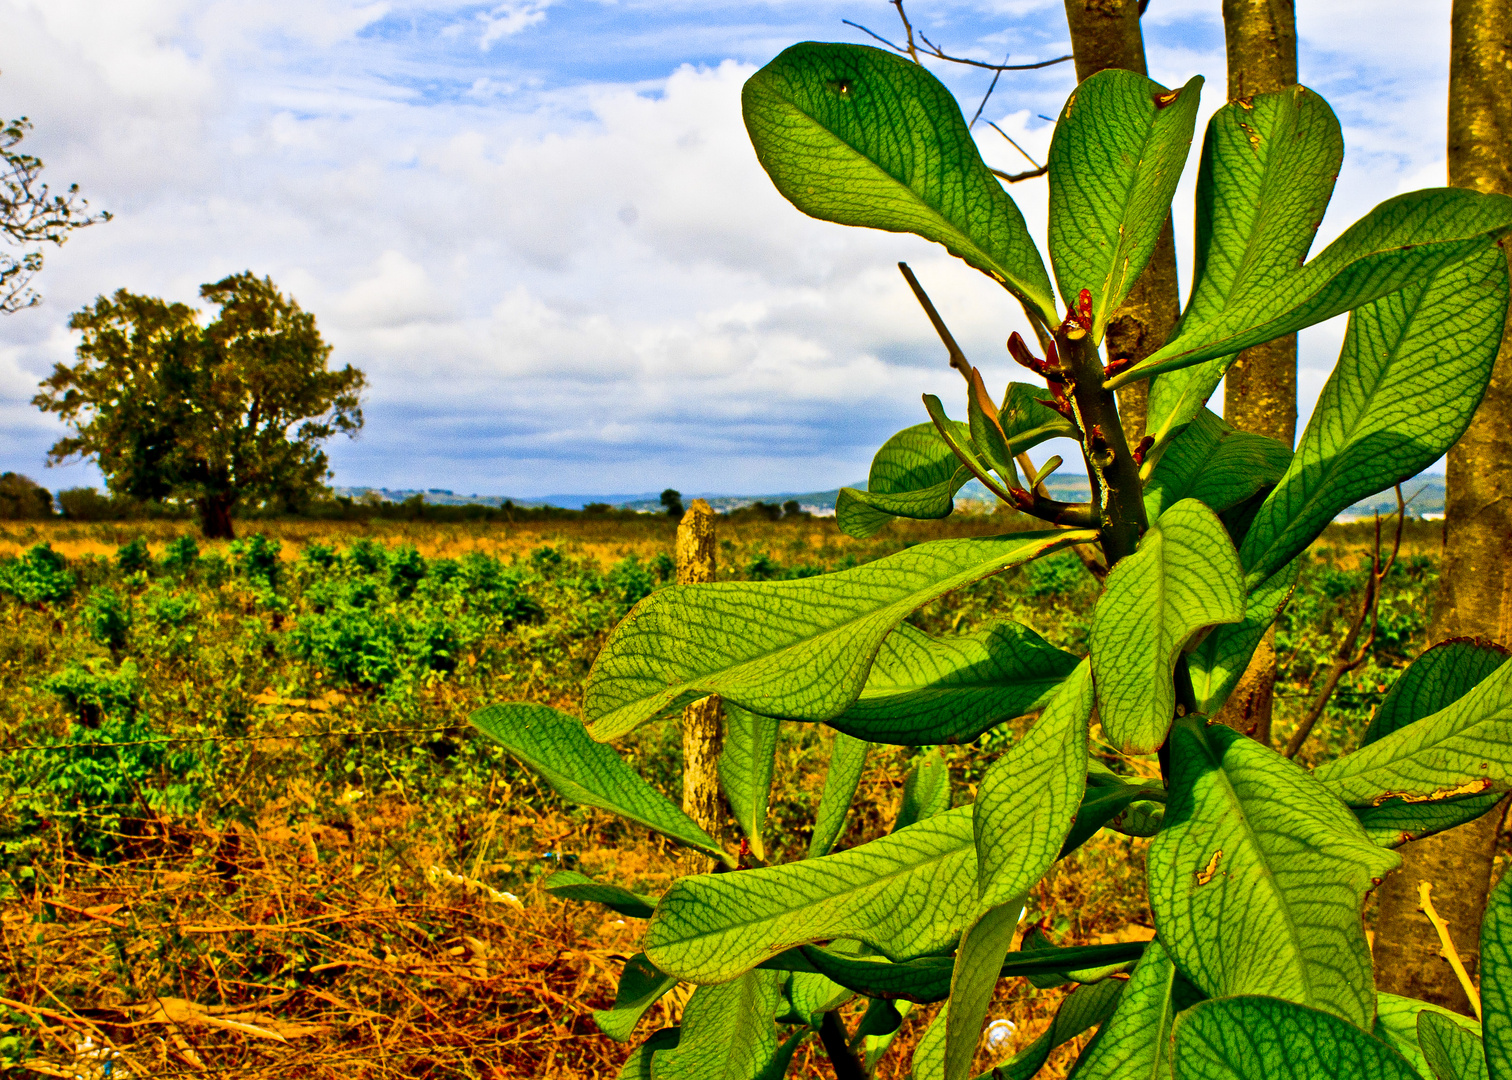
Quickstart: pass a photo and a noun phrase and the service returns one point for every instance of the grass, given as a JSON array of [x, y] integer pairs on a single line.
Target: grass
[[284, 890]]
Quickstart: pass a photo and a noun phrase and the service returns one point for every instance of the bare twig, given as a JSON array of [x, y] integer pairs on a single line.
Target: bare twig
[[957, 357], [911, 48], [1014, 178], [1029, 157], [1425, 901], [1348, 656]]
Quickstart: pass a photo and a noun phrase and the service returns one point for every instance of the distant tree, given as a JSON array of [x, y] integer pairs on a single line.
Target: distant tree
[[671, 500], [597, 508], [30, 215], [23, 499], [218, 415], [794, 509]]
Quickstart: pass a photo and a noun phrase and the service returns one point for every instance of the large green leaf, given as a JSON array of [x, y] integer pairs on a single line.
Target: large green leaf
[[811, 994], [1262, 1038], [1116, 155], [727, 1031], [1412, 371], [847, 759], [745, 770], [859, 136], [914, 475], [1022, 815], [1395, 822], [1496, 979], [556, 746], [927, 979], [1214, 464], [925, 690], [1450, 1051], [926, 789], [1185, 576], [638, 1065], [1444, 673], [571, 885], [1104, 804], [800, 650], [907, 895], [1463, 749], [1178, 396], [1218, 662], [1135, 1043], [1406, 240], [641, 985], [1396, 1026], [1258, 878]]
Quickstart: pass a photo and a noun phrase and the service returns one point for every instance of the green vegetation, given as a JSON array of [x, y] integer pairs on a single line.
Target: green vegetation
[[1258, 866]]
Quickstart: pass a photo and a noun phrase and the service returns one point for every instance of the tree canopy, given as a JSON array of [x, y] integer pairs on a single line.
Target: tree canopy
[[227, 413]]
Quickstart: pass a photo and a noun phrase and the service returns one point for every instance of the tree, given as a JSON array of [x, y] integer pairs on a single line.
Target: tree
[[1258, 868], [22, 499], [671, 501], [216, 415], [1474, 585], [29, 215]]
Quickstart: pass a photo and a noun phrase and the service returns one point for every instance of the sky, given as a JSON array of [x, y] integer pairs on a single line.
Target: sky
[[538, 225]]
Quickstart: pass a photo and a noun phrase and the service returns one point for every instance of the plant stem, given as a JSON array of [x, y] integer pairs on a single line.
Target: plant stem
[[837, 1046], [1117, 497]]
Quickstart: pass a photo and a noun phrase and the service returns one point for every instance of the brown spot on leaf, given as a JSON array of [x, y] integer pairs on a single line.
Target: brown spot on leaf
[[1205, 875]]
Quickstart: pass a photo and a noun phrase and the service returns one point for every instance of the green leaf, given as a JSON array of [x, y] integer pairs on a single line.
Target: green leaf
[[925, 690], [1258, 879], [986, 433], [875, 1046], [810, 994], [1023, 812], [1444, 673], [1262, 1038], [915, 475], [557, 747], [859, 136], [1135, 1043], [1412, 371], [1176, 397], [1496, 978], [1218, 662], [1214, 464], [1463, 749], [638, 1065], [1396, 1026], [1104, 804], [800, 650], [1395, 823], [1185, 576], [745, 770], [1036, 941], [926, 789], [1116, 155], [927, 979], [571, 885], [1450, 1051], [906, 895], [1405, 241], [641, 986], [1028, 421], [727, 1031], [847, 760]]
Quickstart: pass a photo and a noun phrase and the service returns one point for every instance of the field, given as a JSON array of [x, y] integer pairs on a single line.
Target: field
[[246, 829]]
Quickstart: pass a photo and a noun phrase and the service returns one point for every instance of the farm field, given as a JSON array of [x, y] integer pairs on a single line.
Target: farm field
[[246, 828]]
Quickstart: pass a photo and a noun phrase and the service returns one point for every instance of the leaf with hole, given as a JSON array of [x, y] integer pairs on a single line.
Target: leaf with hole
[[1258, 879], [859, 136], [1116, 155]]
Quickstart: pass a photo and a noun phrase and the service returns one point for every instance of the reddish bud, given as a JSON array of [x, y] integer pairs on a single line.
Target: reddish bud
[[1020, 352], [1084, 309], [1097, 440], [1143, 448], [1120, 363], [1022, 499]]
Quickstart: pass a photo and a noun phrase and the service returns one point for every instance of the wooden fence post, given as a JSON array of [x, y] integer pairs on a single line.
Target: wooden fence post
[[702, 729]]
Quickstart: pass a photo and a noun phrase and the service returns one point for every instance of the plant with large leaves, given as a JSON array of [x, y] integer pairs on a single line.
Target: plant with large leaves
[[1259, 867]]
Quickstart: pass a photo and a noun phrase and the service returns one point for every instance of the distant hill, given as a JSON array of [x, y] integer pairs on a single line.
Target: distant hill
[[1425, 497]]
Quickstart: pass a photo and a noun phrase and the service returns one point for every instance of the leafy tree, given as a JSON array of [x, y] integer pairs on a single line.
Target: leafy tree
[[671, 501], [30, 214], [231, 412], [23, 499], [1258, 867]]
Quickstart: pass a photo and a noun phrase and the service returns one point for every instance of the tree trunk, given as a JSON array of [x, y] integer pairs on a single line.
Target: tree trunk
[[215, 517], [1260, 388], [1106, 34], [1473, 590], [702, 721]]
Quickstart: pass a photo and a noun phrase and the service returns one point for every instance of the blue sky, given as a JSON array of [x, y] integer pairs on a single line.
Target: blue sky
[[540, 230]]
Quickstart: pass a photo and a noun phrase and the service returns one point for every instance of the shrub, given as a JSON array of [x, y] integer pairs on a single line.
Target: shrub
[[38, 577], [107, 615], [181, 555], [257, 560], [133, 558], [406, 569], [23, 499]]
